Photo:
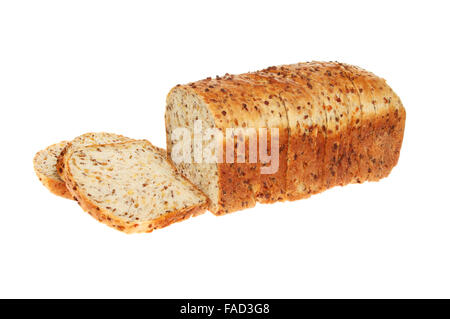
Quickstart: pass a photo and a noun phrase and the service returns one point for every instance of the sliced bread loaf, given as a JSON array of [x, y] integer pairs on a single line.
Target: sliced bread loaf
[[130, 186], [45, 167], [338, 124]]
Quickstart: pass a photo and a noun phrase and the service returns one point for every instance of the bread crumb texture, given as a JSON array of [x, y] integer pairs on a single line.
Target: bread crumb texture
[[45, 167], [48, 162], [130, 186]]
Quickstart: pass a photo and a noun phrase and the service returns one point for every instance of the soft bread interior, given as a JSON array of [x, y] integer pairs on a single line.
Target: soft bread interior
[[182, 111], [45, 160], [132, 181]]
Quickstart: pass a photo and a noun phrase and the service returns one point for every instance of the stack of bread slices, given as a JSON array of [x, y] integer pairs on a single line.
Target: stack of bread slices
[[127, 184]]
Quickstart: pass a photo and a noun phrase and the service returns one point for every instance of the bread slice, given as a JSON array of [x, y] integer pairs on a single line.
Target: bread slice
[[336, 117], [307, 120], [355, 148], [375, 122], [97, 138], [266, 97], [343, 103], [45, 167], [130, 186], [47, 161]]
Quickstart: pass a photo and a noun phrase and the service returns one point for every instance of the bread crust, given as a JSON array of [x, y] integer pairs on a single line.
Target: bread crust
[[109, 219], [273, 111], [56, 187], [323, 75], [382, 129], [307, 119]]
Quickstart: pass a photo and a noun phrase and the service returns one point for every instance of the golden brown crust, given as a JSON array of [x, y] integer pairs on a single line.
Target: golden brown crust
[[355, 118], [273, 111], [324, 74], [344, 96], [305, 143], [57, 187], [390, 138], [368, 127], [106, 217], [307, 117], [367, 142]]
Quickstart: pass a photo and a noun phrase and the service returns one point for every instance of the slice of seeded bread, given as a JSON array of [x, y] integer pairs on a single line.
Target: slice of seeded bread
[[130, 186], [88, 139], [46, 161], [45, 167]]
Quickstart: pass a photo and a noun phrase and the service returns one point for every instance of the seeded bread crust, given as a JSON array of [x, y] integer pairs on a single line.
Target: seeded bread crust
[[324, 76], [107, 217], [273, 111], [308, 123], [366, 145], [383, 123], [259, 106], [344, 125], [57, 187], [53, 183]]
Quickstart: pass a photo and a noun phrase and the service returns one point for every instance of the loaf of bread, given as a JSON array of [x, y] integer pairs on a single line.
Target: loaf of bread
[[130, 186], [337, 124]]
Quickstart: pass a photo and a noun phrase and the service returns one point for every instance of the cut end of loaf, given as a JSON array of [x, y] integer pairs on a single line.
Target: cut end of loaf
[[182, 110]]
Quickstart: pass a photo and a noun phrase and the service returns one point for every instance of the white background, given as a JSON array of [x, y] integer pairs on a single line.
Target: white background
[[70, 67]]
